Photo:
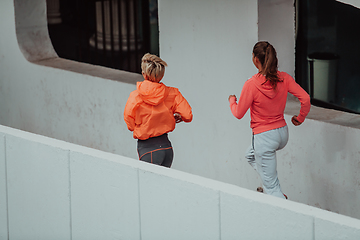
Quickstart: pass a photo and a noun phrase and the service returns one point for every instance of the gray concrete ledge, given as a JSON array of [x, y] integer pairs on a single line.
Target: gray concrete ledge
[[324, 115], [92, 70]]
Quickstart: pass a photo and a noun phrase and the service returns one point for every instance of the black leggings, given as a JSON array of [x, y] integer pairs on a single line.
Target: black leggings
[[156, 150]]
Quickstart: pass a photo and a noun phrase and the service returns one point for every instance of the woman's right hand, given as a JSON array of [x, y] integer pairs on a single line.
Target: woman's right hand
[[231, 97], [177, 117]]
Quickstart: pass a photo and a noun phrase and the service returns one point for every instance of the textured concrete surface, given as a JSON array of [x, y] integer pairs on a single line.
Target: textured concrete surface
[[58, 190]]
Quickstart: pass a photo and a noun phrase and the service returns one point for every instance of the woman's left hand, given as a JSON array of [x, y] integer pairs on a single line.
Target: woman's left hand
[[295, 121]]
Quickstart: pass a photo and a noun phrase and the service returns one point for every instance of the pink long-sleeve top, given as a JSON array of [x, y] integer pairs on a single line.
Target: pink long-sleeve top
[[266, 104]]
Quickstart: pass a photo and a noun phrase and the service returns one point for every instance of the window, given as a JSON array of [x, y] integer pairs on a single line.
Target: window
[[110, 33], [327, 53]]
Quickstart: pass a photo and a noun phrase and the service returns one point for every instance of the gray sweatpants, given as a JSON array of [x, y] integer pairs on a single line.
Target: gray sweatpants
[[262, 157]]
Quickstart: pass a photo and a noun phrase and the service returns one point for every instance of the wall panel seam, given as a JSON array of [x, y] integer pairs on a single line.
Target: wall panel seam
[[313, 227], [6, 190], [70, 209], [219, 197], [139, 201]]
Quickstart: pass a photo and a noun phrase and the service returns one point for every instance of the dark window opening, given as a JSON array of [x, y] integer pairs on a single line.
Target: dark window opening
[[110, 33], [327, 50]]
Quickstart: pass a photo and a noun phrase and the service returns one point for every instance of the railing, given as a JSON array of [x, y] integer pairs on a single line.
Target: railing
[[110, 33]]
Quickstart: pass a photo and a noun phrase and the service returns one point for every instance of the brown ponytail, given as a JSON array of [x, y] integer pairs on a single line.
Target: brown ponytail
[[266, 54]]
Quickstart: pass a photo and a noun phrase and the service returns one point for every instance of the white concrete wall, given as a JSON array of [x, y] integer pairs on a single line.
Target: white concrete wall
[[355, 3], [52, 189], [208, 48], [271, 16], [85, 109]]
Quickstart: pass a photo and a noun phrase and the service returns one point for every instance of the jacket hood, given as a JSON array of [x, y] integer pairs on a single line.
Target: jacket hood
[[264, 88], [151, 93]]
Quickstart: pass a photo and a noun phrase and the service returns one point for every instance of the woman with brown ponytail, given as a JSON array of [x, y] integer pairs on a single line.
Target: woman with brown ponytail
[[152, 111], [265, 94]]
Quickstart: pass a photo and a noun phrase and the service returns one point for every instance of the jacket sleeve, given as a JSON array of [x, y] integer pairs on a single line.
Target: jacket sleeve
[[245, 101], [303, 97], [182, 107], [129, 112]]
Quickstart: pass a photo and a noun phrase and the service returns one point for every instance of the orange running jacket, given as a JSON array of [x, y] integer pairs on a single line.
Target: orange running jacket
[[149, 111]]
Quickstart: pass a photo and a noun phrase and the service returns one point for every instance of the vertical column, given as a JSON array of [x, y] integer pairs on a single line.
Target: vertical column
[[53, 11], [108, 30]]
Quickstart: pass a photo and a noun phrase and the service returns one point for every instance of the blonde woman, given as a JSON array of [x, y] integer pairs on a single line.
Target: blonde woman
[[152, 110]]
